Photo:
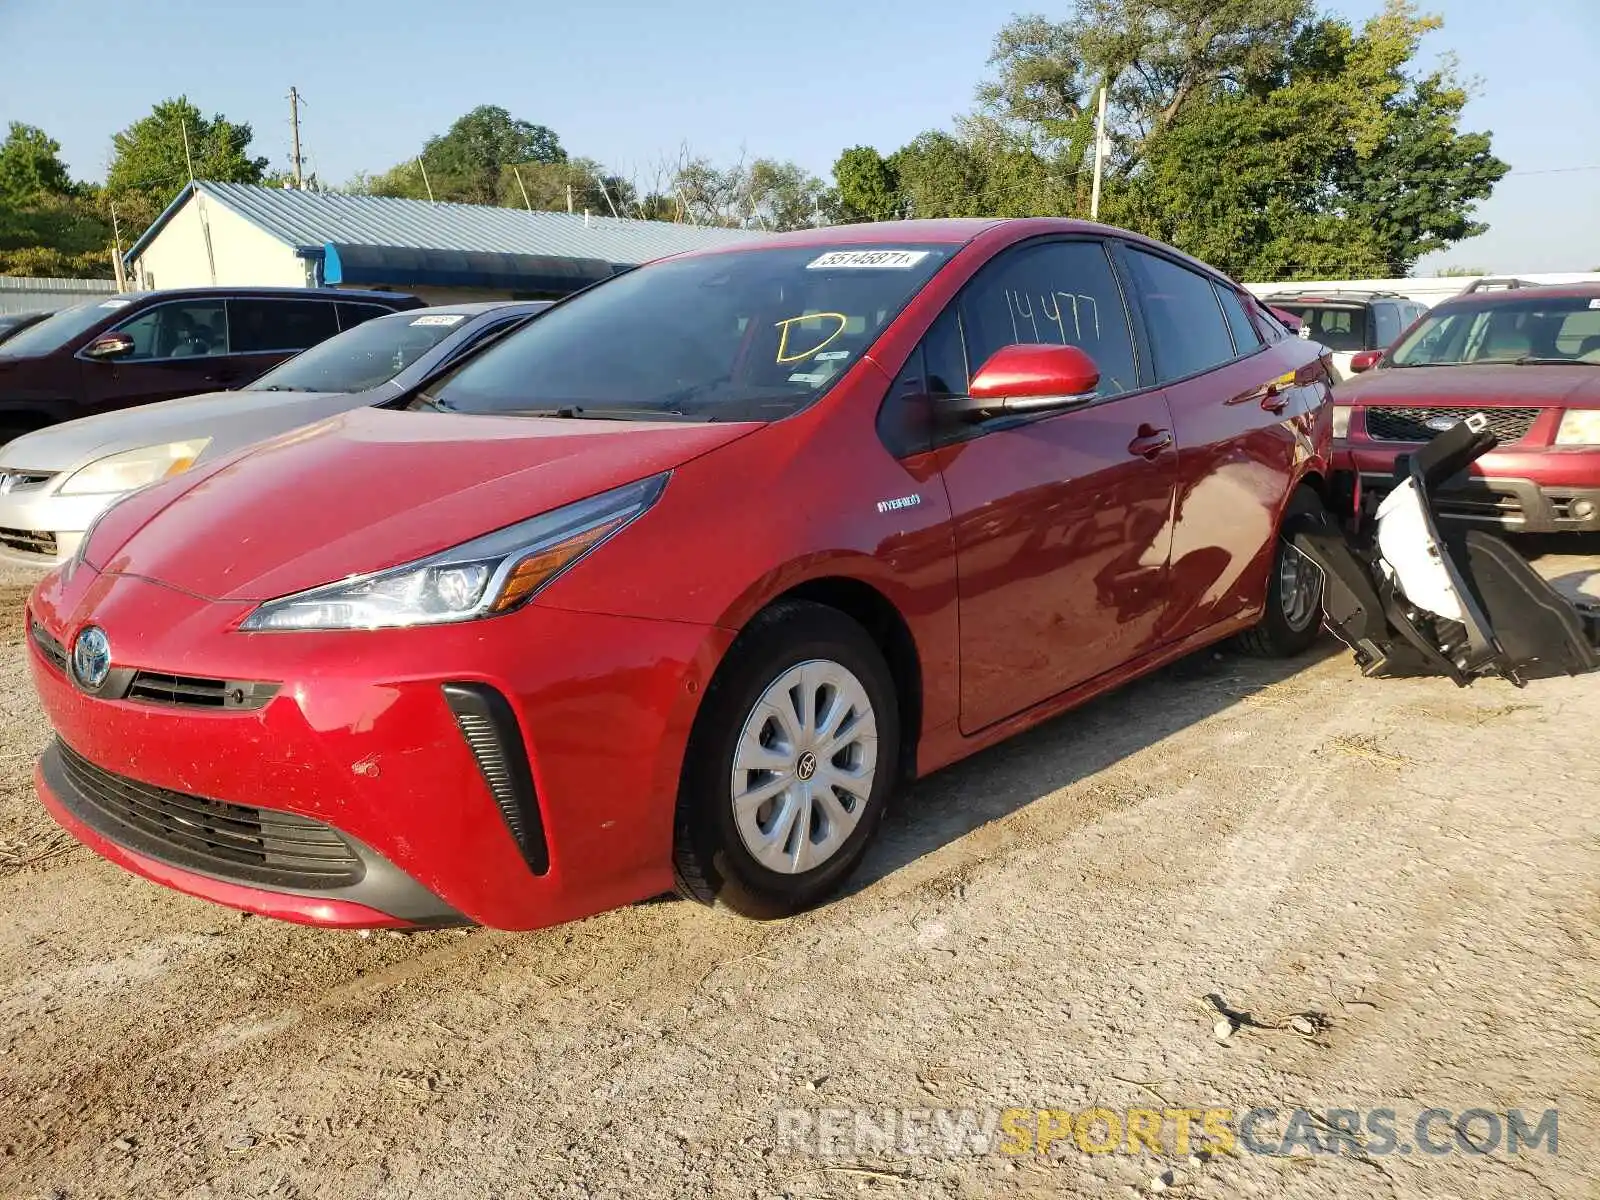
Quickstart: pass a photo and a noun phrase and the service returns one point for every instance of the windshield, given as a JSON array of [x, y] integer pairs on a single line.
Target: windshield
[[1551, 329], [1339, 329], [750, 335], [372, 353], [56, 330]]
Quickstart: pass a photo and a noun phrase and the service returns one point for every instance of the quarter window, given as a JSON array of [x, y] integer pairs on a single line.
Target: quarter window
[[1246, 337], [182, 329], [1058, 293], [1188, 332], [257, 326]]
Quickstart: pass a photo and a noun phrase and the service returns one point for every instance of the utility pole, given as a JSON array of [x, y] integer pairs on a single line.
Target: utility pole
[[523, 188], [569, 197], [611, 204], [425, 182], [294, 122], [1099, 156], [116, 255]]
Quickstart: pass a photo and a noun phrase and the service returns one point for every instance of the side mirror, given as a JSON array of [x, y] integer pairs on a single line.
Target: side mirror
[[1364, 360], [110, 346], [1032, 378]]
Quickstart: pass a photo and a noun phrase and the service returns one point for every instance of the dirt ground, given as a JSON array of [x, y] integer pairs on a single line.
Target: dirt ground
[[1413, 868]]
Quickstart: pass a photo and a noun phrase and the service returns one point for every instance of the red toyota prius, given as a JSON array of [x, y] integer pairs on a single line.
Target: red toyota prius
[[674, 587]]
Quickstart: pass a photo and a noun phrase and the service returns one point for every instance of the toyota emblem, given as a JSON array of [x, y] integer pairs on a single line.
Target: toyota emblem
[[91, 657]]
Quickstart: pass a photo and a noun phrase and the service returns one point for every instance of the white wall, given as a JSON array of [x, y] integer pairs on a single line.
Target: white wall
[[1423, 291], [245, 254]]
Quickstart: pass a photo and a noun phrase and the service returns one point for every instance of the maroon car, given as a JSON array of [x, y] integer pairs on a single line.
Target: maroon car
[[1527, 359], [146, 346]]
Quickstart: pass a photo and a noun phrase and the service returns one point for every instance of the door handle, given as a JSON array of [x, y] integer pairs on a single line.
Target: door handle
[[1150, 442], [1274, 401]]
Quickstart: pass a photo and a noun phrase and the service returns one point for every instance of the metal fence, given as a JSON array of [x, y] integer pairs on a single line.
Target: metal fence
[[21, 294]]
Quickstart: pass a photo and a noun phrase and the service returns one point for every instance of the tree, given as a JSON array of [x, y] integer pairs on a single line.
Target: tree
[[48, 224], [865, 187], [151, 158], [468, 161]]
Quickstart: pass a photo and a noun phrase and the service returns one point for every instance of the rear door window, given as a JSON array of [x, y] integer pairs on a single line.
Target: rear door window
[[1057, 293], [1386, 319], [181, 329], [258, 326], [1188, 333]]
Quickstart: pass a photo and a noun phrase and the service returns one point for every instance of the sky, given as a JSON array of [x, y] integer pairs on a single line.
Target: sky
[[631, 83]]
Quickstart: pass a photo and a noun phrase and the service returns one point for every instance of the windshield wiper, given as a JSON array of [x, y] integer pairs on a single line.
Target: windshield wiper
[[579, 413], [280, 387], [424, 400], [1536, 360]]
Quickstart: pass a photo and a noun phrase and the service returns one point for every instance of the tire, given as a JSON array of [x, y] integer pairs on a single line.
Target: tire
[[1286, 629], [822, 652]]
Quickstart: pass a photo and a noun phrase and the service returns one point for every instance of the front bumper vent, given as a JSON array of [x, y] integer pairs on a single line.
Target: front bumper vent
[[48, 645], [196, 691], [490, 729], [229, 841]]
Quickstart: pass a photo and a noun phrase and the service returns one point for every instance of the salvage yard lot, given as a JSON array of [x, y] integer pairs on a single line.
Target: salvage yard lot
[[1038, 927]]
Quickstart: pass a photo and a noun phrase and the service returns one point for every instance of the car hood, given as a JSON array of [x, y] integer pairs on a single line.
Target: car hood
[[375, 488], [230, 419], [1489, 386]]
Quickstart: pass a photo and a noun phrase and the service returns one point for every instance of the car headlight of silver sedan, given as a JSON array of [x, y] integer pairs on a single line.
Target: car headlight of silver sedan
[[129, 469], [485, 577]]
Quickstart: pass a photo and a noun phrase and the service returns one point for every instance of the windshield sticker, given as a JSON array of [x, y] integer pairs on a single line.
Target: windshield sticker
[[440, 319], [116, 303], [809, 377], [1594, 304], [882, 260], [832, 355], [815, 321]]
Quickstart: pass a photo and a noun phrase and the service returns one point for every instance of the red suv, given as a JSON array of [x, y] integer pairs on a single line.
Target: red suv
[[677, 584], [1529, 360]]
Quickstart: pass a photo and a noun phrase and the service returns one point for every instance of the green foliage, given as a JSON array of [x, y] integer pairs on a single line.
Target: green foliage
[[866, 188], [472, 161], [49, 225], [150, 163], [1259, 135]]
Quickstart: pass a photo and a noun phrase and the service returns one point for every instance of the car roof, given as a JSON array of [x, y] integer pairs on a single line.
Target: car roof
[[289, 292], [479, 307], [948, 231], [1494, 297]]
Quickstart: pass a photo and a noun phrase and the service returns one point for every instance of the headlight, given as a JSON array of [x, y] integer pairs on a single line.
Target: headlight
[[1579, 427], [481, 578], [1341, 420], [133, 468]]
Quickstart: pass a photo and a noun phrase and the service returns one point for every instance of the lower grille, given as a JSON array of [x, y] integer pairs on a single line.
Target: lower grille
[[1411, 424], [232, 841], [49, 646], [490, 728], [28, 541], [198, 691]]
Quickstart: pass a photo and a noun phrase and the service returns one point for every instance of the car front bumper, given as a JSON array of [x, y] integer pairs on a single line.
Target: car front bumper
[[361, 739], [41, 528]]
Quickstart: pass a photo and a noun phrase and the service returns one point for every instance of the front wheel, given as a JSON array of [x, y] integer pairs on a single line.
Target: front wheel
[[790, 764], [1293, 616]]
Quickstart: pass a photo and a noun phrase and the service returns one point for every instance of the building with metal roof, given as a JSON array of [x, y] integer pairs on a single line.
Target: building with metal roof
[[242, 234]]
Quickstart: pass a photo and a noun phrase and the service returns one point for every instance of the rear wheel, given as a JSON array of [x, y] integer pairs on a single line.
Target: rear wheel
[[1293, 616], [790, 765]]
